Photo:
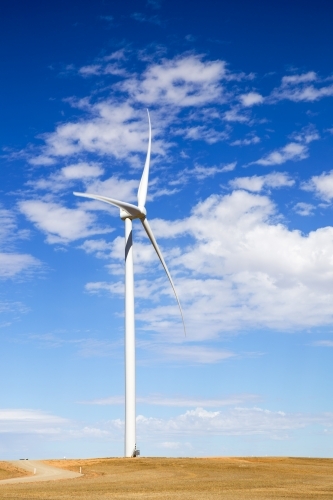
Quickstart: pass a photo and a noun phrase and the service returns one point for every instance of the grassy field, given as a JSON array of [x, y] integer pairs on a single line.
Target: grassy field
[[7, 471], [184, 478]]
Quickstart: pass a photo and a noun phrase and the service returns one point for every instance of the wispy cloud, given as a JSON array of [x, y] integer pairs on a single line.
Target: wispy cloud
[[201, 172], [254, 139], [182, 81], [143, 18], [109, 19], [322, 185], [17, 264], [195, 354], [293, 151], [304, 209], [251, 99], [182, 402], [14, 264], [203, 133], [99, 69], [258, 182], [26, 421], [295, 79], [300, 87], [85, 346], [116, 127], [59, 223], [105, 131], [323, 343], [154, 4], [67, 176], [235, 114], [238, 421]]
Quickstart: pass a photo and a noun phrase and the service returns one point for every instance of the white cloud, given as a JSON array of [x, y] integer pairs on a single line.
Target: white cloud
[[99, 69], [304, 209], [309, 93], [65, 177], [234, 422], [13, 264], [194, 354], [117, 126], [60, 224], [296, 79], [294, 151], [298, 88], [82, 170], [229, 167], [43, 160], [323, 343], [25, 421], [109, 128], [88, 348], [182, 81], [234, 115], [258, 182], [244, 269], [73, 176], [251, 99], [16, 307], [182, 402], [100, 248], [203, 133], [8, 228], [237, 421], [103, 66], [322, 185], [201, 172], [91, 69], [122, 189], [85, 346], [98, 286], [306, 135], [246, 142]]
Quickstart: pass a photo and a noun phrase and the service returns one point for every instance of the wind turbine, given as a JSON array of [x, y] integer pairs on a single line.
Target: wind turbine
[[129, 212]]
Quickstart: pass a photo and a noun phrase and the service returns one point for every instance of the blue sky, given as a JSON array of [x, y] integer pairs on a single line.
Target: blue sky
[[240, 199]]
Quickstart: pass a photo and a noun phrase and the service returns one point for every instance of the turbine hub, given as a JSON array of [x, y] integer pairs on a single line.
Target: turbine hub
[[143, 211]]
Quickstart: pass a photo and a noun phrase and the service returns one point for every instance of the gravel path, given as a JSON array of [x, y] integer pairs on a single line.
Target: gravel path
[[40, 472]]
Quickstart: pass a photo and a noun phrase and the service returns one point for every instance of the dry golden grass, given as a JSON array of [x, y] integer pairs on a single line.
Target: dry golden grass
[[7, 471], [184, 478]]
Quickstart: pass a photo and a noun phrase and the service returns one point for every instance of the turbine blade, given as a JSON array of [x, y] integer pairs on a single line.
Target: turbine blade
[[128, 207], [151, 236], [143, 187]]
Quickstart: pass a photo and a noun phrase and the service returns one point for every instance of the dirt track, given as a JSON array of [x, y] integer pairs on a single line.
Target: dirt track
[[38, 471], [180, 479]]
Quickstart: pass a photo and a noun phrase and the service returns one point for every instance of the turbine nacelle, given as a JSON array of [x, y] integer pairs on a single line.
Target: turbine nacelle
[[125, 215]]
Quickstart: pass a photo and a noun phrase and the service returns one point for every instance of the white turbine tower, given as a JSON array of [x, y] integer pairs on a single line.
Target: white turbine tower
[[128, 212]]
